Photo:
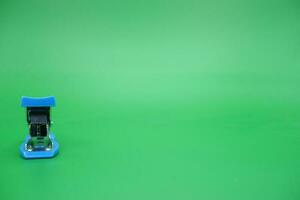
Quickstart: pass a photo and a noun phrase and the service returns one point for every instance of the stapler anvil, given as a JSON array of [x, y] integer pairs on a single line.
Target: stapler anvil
[[40, 142]]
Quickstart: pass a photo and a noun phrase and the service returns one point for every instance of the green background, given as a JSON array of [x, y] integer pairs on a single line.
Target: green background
[[155, 99]]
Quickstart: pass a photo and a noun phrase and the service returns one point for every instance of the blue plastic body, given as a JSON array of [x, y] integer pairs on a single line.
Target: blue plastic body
[[39, 154], [38, 101]]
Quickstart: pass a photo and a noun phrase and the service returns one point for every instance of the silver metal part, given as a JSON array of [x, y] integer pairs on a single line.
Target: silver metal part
[[39, 138]]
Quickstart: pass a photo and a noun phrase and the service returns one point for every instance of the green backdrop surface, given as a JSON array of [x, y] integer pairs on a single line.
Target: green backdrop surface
[[191, 99]]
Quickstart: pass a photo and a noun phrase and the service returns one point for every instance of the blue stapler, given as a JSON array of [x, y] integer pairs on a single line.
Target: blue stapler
[[40, 142]]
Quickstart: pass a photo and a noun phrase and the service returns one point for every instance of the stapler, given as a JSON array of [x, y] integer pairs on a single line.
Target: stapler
[[40, 142]]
